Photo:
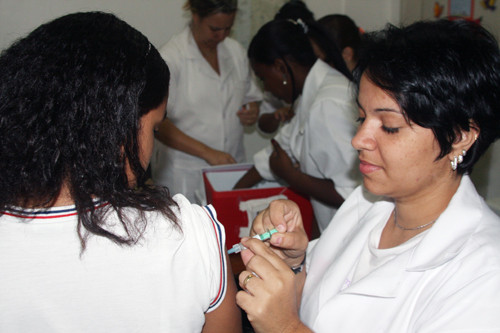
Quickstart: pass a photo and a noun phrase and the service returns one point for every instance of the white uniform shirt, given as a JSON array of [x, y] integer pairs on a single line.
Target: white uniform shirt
[[449, 281], [165, 283], [319, 136], [203, 104]]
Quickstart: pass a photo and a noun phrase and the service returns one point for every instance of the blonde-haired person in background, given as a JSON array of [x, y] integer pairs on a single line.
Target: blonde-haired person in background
[[213, 96]]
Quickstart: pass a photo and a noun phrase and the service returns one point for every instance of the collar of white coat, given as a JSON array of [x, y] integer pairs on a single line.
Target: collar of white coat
[[313, 81], [442, 243], [453, 228]]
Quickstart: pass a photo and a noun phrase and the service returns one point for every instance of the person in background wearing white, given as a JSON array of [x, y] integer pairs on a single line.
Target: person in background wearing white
[[85, 244], [312, 153], [421, 253], [213, 95]]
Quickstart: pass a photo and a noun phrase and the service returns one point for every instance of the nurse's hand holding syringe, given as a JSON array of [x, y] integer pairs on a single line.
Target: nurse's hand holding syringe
[[290, 240], [271, 289], [237, 248]]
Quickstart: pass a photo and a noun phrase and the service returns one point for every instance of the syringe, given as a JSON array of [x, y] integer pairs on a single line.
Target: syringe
[[237, 248]]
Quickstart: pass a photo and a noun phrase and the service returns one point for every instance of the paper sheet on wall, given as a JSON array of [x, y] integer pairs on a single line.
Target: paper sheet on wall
[[254, 207]]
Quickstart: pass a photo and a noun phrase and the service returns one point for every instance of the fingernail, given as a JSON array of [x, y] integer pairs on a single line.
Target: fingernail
[[281, 228], [278, 240]]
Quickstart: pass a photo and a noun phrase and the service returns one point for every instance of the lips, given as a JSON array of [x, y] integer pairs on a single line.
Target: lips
[[366, 167]]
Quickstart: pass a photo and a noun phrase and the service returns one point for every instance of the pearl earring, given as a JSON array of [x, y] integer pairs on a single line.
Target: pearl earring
[[285, 82], [458, 159], [454, 163]]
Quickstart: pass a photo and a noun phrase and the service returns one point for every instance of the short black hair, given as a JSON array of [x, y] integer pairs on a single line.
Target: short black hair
[[72, 94], [287, 38], [445, 75]]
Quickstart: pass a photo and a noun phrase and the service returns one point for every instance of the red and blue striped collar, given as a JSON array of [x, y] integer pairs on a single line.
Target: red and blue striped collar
[[47, 213]]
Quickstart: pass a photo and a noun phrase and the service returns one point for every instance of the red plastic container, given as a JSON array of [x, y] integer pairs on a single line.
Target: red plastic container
[[219, 181]]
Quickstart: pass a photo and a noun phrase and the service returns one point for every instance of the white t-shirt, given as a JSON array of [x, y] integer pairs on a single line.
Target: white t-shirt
[[164, 283]]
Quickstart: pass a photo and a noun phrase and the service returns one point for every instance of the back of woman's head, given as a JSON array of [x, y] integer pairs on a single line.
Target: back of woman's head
[[71, 96], [204, 8], [291, 40], [445, 75], [343, 30]]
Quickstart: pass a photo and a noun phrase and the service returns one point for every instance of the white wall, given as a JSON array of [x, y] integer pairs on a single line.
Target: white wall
[[368, 14], [156, 19]]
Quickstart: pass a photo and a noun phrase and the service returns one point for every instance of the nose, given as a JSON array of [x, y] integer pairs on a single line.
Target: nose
[[363, 140]]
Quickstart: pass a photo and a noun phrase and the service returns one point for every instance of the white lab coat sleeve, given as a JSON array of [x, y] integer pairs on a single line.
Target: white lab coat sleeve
[[332, 126], [261, 163], [261, 158], [253, 92]]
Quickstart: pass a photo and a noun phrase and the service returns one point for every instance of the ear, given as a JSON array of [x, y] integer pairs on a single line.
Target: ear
[[464, 141], [196, 18], [280, 66], [347, 54]]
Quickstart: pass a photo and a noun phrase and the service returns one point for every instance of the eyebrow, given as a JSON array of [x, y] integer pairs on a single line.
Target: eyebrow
[[378, 109], [220, 28]]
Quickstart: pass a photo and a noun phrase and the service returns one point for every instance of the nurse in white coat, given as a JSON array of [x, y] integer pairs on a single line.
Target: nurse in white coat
[[212, 96], [312, 153], [421, 253]]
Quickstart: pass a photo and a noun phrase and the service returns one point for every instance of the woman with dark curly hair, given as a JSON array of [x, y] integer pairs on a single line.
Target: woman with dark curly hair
[[85, 244]]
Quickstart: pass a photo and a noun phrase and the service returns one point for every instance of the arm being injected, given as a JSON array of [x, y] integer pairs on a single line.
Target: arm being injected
[[237, 248]]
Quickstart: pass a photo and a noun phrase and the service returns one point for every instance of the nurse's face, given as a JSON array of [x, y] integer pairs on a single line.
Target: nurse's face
[[211, 30], [397, 158], [272, 79]]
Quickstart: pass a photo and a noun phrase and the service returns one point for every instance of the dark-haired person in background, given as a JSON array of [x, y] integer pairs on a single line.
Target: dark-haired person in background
[[85, 244], [346, 35], [213, 96], [421, 253], [275, 112], [294, 9], [318, 137]]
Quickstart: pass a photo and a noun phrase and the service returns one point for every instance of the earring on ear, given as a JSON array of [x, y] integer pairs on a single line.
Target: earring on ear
[[454, 163], [461, 156], [285, 82], [458, 159]]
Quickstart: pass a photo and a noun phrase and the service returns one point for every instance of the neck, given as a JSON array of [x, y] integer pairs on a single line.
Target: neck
[[64, 197], [409, 210], [413, 215], [299, 74]]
